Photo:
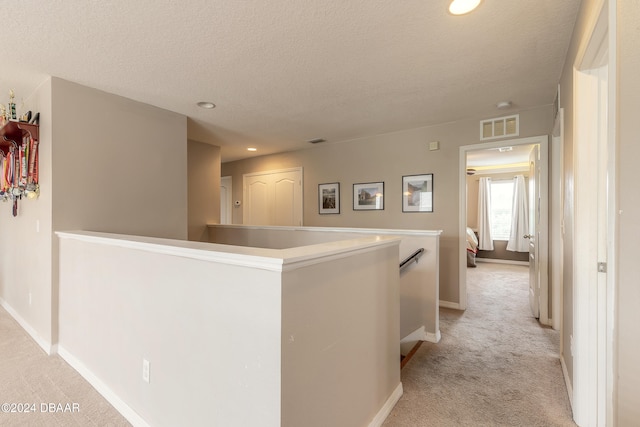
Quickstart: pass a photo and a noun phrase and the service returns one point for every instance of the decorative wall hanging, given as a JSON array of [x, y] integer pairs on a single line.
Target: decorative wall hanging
[[329, 198], [417, 193], [19, 155], [368, 196]]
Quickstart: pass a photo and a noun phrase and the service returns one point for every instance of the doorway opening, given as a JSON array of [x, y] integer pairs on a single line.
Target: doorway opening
[[515, 159]]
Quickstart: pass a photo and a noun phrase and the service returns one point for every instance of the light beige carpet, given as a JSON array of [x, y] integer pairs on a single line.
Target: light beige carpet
[[52, 392], [495, 365]]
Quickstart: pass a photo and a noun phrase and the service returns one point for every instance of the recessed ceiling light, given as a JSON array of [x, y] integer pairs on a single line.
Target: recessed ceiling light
[[460, 7], [206, 104], [252, 149]]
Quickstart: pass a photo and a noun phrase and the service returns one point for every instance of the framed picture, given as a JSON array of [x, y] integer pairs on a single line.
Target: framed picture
[[417, 193], [329, 198], [368, 196]]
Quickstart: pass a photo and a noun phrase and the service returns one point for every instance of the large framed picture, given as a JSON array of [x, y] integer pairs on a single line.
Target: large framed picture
[[329, 198], [368, 196], [417, 193]]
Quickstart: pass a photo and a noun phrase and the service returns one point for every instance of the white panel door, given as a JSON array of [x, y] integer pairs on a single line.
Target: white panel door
[[226, 202], [256, 198], [284, 187], [273, 198]]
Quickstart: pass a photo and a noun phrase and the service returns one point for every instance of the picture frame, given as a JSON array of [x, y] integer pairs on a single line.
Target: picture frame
[[368, 196], [329, 198], [417, 193]]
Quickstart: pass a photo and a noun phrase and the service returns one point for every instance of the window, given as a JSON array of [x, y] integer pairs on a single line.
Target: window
[[501, 209]]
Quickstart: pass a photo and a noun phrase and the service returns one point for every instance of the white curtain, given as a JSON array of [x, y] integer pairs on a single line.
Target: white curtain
[[485, 242], [519, 217]]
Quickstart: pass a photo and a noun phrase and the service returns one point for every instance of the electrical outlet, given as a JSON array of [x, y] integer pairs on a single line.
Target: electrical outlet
[[146, 370]]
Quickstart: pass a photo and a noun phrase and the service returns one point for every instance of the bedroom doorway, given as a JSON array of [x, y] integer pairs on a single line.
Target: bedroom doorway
[[510, 151]]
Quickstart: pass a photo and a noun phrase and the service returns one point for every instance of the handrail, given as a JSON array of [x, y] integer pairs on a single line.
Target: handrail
[[413, 257]]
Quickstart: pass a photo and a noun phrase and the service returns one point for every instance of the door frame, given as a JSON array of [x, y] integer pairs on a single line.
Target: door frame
[[543, 141], [594, 75], [227, 205]]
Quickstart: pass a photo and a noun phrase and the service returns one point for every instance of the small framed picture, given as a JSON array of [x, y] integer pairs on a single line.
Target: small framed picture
[[368, 196], [417, 193], [329, 198]]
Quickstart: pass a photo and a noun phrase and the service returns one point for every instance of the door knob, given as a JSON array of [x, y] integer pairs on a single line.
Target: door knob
[[527, 236]]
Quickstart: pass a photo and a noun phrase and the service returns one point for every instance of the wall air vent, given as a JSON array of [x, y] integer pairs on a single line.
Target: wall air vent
[[316, 141], [500, 127]]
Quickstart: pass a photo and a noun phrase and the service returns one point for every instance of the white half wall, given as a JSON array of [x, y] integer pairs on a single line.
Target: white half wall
[[235, 336], [419, 282]]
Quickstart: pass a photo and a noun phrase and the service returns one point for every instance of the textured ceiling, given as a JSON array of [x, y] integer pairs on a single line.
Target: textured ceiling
[[283, 72]]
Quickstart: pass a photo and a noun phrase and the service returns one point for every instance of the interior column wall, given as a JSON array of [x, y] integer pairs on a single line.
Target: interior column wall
[[628, 298]]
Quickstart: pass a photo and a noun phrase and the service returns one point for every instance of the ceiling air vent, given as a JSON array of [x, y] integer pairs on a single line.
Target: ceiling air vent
[[316, 141], [500, 127]]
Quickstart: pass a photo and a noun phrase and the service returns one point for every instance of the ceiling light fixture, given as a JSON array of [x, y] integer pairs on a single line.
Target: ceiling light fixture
[[461, 7], [503, 105], [206, 104], [252, 149]]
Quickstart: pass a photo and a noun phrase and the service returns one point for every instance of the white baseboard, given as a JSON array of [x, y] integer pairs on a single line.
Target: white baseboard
[[431, 337], [567, 381], [44, 344], [115, 401], [502, 261], [386, 409], [449, 304]]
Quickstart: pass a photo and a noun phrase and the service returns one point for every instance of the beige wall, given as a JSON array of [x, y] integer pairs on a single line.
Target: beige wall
[[628, 315], [106, 163], [203, 169], [119, 166], [387, 158]]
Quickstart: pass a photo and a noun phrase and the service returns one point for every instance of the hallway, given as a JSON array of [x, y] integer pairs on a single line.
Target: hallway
[[495, 365]]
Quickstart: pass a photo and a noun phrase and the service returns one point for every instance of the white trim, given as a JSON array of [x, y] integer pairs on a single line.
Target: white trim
[[383, 231], [274, 171], [44, 344], [260, 258], [386, 409], [593, 292], [449, 304], [556, 222], [502, 261], [567, 380], [103, 389], [431, 337]]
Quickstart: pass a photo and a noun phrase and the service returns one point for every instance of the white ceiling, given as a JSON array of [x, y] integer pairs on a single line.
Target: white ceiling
[[283, 72]]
